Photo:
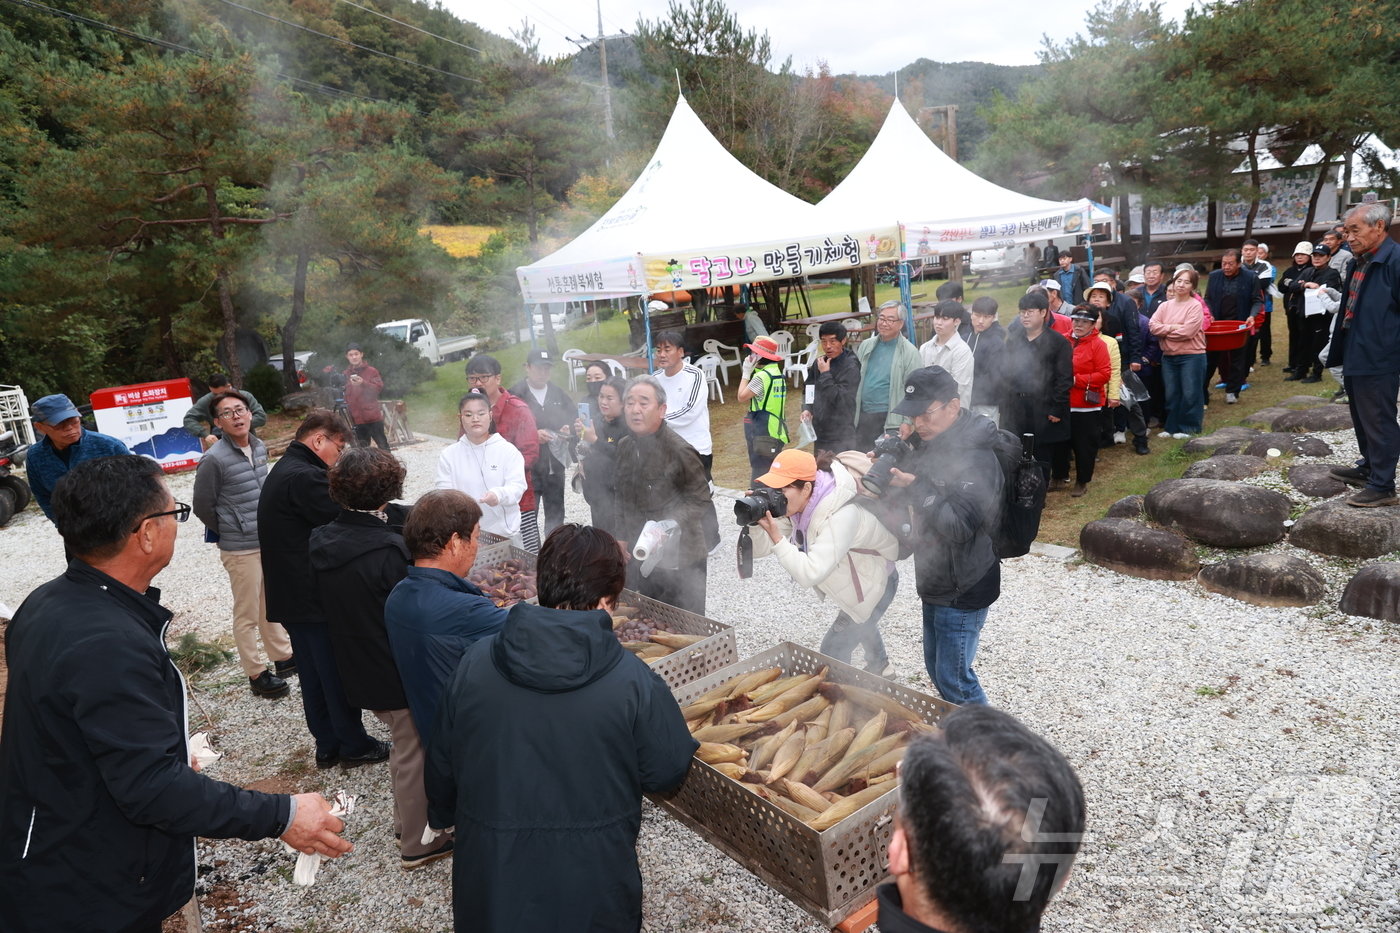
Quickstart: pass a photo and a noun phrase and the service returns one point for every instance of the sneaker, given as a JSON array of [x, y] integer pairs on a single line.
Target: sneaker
[[1166, 435], [1220, 385], [380, 752], [1181, 436], [285, 669], [881, 668], [1373, 498], [1350, 475], [411, 862], [268, 686], [1243, 387], [1079, 489], [1120, 437], [1265, 363], [1231, 398], [1140, 444]]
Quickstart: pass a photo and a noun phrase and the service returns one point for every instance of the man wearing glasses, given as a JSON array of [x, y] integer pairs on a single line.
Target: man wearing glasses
[[884, 362], [295, 499], [954, 483], [101, 801], [227, 486], [201, 413]]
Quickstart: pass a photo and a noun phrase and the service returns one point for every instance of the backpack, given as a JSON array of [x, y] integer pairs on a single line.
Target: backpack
[[891, 511], [1023, 491]]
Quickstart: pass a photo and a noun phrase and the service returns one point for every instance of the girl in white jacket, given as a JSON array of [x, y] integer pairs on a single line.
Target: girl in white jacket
[[829, 543], [486, 467]]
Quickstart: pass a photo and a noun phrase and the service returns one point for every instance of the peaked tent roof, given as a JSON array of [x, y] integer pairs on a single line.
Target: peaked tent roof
[[695, 217], [904, 179]]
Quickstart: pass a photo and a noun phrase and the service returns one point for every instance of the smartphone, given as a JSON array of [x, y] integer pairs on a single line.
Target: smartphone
[[585, 415]]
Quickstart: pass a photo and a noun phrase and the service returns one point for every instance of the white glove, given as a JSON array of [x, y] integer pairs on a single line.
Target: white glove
[[342, 805]]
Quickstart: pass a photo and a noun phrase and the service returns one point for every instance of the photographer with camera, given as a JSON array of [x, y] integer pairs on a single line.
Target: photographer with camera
[[951, 478], [826, 541]]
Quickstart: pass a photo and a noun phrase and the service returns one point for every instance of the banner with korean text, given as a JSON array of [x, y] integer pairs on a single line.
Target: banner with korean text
[[737, 265], [992, 231]]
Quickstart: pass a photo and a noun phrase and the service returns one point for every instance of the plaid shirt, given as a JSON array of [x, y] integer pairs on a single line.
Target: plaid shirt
[[1358, 275]]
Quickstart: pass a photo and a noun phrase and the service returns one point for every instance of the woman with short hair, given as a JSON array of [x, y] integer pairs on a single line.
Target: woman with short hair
[[485, 466]]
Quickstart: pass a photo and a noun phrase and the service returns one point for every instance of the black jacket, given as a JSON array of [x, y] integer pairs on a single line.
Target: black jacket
[[558, 411], [833, 405], [99, 806], [1290, 285], [546, 740], [957, 500], [295, 499], [1038, 377], [356, 561], [599, 466], [988, 374], [1120, 321]]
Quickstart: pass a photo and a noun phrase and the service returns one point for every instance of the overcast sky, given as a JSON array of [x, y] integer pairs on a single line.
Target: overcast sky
[[843, 34]]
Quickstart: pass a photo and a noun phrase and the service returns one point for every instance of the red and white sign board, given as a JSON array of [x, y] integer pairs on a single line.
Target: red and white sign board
[[149, 419]]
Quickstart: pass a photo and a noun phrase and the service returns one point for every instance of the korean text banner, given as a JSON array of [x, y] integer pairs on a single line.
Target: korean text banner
[[944, 237], [763, 262], [585, 281]]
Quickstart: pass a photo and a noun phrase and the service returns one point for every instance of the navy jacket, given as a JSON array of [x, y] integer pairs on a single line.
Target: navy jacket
[[548, 736], [433, 616], [1245, 285], [833, 405], [1369, 344], [296, 498], [45, 467], [99, 806]]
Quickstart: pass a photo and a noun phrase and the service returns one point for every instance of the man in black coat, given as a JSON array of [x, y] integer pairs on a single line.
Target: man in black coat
[[1039, 366], [548, 736], [555, 414], [295, 499], [988, 343], [1232, 294], [99, 801], [832, 381]]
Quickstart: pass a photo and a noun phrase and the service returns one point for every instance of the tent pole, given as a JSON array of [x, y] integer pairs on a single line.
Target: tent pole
[[906, 298], [646, 319]]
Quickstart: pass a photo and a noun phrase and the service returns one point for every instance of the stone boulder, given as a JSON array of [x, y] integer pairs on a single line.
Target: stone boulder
[[1374, 592], [1228, 439], [1218, 512], [1265, 580], [1313, 479], [1303, 401], [1264, 417], [1345, 531], [1138, 550], [1226, 466], [1323, 418], [1127, 507], [1304, 444]]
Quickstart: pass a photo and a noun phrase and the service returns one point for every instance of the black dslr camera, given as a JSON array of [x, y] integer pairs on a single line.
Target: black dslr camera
[[891, 451], [762, 501]]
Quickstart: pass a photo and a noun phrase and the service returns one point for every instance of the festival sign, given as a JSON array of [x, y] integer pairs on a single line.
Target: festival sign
[[992, 232], [763, 262], [149, 419]]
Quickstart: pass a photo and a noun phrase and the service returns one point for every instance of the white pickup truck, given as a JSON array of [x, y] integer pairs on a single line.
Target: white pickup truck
[[420, 333]]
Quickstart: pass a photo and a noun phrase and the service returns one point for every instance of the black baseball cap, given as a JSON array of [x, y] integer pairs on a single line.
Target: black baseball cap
[[925, 386], [539, 357]]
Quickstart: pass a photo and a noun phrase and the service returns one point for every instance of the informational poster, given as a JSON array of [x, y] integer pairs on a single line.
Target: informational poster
[[149, 419]]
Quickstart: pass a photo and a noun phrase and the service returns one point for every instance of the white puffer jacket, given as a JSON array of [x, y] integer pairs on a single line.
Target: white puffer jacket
[[848, 549]]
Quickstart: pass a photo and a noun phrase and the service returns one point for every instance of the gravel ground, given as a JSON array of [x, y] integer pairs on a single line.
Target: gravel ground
[[1239, 761]]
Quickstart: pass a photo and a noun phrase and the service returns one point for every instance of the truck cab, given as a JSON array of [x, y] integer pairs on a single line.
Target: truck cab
[[419, 334]]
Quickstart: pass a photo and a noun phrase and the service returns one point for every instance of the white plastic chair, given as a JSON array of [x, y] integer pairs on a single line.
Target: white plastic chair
[[617, 368], [711, 365], [783, 338], [719, 350], [576, 366], [795, 366]]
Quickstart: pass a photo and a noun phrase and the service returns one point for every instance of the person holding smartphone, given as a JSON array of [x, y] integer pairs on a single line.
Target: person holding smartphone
[[598, 454]]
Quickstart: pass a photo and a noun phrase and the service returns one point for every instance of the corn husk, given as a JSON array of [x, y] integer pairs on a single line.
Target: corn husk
[[846, 806], [675, 641], [869, 733], [852, 764], [786, 756], [831, 751], [715, 753], [728, 732], [765, 748], [805, 795], [806, 711]]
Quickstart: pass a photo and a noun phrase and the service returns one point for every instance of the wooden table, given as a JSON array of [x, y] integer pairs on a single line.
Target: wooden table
[[628, 362], [800, 322]]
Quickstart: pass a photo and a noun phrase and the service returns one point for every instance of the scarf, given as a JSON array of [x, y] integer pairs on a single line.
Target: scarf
[[821, 488]]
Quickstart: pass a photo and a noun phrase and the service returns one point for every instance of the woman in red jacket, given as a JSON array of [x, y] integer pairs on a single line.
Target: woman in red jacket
[[1087, 396]]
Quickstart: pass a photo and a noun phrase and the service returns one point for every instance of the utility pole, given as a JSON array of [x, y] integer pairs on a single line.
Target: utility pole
[[949, 124], [602, 41]]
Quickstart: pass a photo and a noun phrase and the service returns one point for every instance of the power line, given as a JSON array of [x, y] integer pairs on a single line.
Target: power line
[[177, 47], [397, 22], [356, 45]]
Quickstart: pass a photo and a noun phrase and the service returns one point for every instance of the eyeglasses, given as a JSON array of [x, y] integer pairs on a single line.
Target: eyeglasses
[[231, 412], [181, 513], [339, 444], [886, 319], [478, 378], [933, 411]]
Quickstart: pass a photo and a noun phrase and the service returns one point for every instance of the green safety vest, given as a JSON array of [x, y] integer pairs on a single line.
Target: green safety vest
[[772, 399]]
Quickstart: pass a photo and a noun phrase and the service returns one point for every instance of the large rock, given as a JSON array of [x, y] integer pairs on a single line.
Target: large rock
[[1226, 466], [1229, 439], [1265, 580], [1219, 513], [1303, 401], [1127, 507], [1316, 480], [1138, 550], [1304, 444], [1264, 417], [1374, 592], [1324, 418], [1345, 531]]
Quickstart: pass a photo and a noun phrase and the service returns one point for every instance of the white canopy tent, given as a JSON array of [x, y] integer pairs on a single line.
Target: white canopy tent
[[696, 217], [933, 205]]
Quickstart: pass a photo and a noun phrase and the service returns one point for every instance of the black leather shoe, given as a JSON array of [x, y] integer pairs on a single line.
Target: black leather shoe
[[326, 760], [1311, 379], [1350, 475], [1293, 377], [380, 752], [268, 686], [285, 669]]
